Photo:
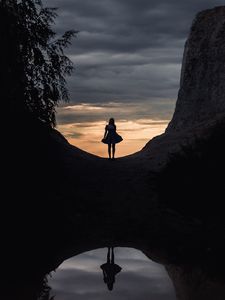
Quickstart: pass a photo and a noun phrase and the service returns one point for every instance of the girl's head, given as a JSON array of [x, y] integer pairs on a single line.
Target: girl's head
[[111, 121]]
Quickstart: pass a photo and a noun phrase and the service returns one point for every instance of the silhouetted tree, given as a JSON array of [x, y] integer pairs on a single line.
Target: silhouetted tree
[[33, 63], [45, 291]]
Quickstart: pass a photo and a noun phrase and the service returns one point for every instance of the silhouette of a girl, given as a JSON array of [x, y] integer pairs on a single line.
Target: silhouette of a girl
[[111, 137], [110, 269]]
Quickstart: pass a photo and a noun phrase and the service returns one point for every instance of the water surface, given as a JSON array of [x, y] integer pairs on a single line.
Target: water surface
[[140, 278]]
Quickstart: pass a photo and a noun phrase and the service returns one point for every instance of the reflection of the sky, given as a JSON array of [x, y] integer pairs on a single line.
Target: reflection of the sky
[[81, 278]]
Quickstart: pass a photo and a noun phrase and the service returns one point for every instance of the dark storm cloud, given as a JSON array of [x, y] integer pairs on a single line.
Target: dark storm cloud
[[121, 111], [127, 50]]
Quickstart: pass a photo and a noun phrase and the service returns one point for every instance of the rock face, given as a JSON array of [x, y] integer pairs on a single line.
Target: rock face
[[195, 284], [202, 90]]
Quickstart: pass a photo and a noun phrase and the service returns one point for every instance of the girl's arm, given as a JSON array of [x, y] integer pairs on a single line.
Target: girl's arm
[[105, 131]]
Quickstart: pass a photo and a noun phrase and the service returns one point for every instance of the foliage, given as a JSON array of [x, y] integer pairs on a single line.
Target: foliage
[[34, 63], [45, 290]]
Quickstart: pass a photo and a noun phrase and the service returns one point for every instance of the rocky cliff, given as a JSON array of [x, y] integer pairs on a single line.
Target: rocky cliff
[[201, 96]]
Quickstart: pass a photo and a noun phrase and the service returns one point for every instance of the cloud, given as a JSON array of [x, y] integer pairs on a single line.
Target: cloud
[[74, 135], [127, 50], [124, 112]]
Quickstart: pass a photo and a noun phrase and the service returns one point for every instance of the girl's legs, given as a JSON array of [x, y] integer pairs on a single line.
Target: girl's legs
[[108, 256], [113, 150], [112, 256], [113, 146], [109, 150]]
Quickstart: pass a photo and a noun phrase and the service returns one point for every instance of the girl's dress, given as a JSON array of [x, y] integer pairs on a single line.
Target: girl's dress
[[112, 136]]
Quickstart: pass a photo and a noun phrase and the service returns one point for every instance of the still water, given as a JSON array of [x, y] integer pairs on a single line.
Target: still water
[[81, 277]]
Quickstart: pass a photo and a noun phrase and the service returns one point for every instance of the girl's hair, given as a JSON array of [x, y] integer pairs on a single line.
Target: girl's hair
[[112, 121]]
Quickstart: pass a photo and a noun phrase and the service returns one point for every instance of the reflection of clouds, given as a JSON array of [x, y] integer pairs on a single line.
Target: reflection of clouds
[[81, 278], [83, 126]]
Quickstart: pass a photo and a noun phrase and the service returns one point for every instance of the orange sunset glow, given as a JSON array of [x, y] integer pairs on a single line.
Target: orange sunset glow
[[83, 126], [136, 133]]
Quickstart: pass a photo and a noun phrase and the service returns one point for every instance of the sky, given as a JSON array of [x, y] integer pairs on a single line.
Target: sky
[[127, 59], [140, 278]]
